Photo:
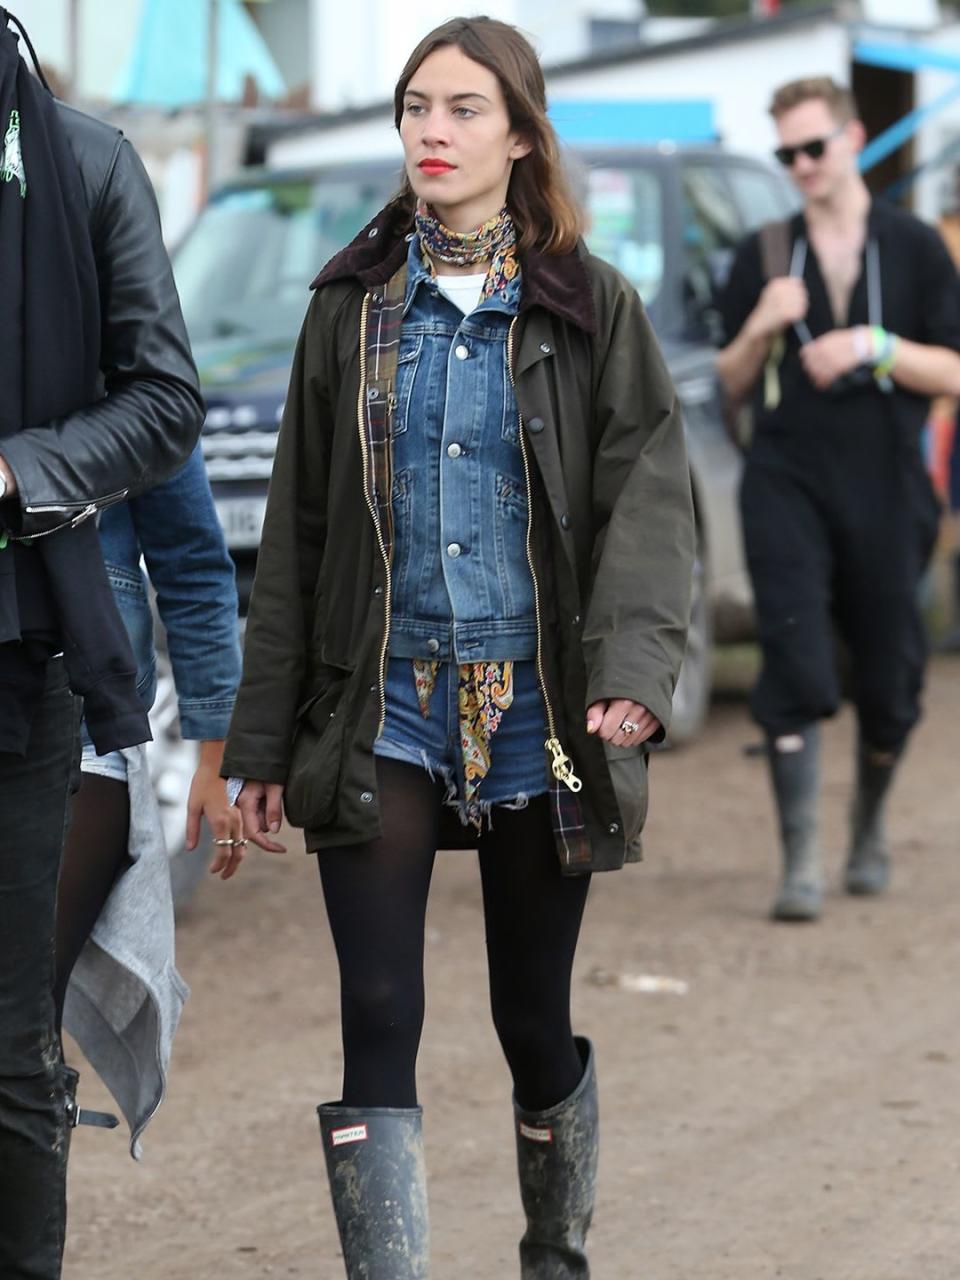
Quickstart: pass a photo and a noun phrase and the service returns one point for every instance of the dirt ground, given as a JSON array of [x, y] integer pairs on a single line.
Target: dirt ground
[[795, 1114]]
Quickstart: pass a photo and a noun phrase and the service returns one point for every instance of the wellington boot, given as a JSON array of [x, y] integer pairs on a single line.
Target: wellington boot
[[868, 862], [379, 1187], [557, 1152], [795, 774]]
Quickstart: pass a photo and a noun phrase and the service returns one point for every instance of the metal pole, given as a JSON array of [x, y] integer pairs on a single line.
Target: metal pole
[[210, 113]]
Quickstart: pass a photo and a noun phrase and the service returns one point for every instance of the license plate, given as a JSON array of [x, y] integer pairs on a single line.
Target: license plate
[[242, 521]]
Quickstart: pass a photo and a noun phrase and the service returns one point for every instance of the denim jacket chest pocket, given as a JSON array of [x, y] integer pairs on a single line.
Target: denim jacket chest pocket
[[411, 345]]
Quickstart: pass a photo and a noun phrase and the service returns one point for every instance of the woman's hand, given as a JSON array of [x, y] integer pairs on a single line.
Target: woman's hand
[[261, 805], [208, 799], [608, 718]]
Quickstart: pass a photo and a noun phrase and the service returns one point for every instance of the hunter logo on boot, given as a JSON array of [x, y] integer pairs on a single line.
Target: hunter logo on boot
[[342, 1137], [536, 1135]]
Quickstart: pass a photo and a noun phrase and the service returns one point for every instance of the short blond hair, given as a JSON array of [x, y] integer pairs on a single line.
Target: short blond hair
[[839, 99]]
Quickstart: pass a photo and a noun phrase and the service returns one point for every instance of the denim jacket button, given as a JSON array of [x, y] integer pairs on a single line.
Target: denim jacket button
[[433, 645], [453, 550], [461, 352], [454, 451], [535, 425]]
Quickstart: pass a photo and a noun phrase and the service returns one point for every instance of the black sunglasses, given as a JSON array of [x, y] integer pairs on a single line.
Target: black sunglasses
[[814, 148]]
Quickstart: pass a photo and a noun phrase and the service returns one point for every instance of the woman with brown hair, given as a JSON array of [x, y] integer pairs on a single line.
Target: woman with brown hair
[[471, 596]]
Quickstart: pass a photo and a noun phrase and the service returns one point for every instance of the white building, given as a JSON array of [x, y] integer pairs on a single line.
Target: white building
[[902, 61]]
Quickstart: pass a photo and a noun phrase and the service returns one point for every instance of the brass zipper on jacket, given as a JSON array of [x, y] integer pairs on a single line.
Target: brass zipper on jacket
[[560, 762], [367, 485]]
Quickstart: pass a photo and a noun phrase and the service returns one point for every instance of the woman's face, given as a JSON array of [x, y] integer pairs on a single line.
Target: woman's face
[[458, 143]]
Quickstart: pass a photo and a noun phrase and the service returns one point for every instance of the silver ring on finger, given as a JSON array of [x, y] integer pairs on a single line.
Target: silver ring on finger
[[629, 726], [229, 842]]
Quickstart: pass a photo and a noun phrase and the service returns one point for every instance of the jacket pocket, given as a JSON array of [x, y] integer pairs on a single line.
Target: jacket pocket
[[310, 794], [628, 773]]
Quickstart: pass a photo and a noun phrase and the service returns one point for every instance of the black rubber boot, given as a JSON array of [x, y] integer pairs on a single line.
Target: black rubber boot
[[868, 863], [33, 1175], [795, 773], [557, 1154], [379, 1186], [78, 1115]]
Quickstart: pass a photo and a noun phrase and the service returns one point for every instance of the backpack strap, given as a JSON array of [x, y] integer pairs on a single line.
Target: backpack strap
[[776, 242]]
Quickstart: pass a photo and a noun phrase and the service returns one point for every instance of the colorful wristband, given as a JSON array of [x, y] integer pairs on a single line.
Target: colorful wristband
[[884, 366]]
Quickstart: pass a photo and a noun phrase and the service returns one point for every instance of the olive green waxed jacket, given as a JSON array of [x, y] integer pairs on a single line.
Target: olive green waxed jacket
[[611, 539]]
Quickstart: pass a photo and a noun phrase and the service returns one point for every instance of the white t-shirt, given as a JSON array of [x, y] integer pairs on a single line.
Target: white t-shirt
[[463, 291]]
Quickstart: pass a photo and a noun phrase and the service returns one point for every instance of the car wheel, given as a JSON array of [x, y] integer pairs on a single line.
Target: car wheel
[[173, 762], [691, 698]]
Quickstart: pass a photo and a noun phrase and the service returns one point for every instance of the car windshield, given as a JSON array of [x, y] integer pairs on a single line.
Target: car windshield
[[244, 270]]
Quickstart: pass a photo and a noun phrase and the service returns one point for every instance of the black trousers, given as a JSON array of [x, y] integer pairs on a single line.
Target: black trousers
[[34, 792], [839, 523]]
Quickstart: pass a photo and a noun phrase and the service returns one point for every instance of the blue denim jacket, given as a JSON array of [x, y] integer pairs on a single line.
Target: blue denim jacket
[[462, 588], [174, 527]]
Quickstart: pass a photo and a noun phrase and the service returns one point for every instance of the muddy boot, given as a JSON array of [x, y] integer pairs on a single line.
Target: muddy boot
[[557, 1154], [868, 864], [795, 773], [379, 1187]]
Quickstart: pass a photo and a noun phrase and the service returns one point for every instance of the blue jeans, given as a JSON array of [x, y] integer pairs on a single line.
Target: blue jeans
[[34, 791], [518, 769]]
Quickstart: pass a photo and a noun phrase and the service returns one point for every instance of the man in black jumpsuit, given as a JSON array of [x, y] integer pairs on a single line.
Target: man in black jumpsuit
[[840, 353]]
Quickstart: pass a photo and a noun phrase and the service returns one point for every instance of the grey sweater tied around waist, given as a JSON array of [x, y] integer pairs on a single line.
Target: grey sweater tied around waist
[[125, 996]]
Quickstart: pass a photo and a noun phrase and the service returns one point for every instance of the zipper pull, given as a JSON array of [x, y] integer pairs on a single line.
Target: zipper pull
[[562, 765]]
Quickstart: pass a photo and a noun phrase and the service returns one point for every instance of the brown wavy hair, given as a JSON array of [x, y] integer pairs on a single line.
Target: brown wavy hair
[[544, 211], [838, 98]]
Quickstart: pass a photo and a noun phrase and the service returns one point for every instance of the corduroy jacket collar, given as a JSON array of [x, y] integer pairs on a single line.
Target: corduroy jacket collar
[[557, 282]]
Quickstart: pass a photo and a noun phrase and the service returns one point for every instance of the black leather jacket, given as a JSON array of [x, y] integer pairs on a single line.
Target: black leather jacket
[[149, 417]]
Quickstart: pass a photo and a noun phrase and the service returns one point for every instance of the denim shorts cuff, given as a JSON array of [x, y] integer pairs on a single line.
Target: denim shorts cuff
[[390, 750]]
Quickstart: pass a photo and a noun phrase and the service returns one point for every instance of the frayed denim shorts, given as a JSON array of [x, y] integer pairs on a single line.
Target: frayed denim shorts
[[518, 765], [112, 765]]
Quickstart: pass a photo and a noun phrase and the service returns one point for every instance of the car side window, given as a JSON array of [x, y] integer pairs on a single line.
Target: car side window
[[759, 195], [712, 229], [624, 206]]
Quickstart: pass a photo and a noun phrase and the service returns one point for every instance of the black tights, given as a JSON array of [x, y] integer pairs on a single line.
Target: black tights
[[376, 896], [94, 855]]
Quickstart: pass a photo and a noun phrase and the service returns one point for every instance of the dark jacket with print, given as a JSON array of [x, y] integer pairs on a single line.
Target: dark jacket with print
[[613, 545]]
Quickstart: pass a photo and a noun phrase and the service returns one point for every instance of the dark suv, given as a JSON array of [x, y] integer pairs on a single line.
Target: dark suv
[[668, 218]]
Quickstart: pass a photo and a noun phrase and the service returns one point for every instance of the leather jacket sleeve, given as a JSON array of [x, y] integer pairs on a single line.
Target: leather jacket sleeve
[[150, 415]]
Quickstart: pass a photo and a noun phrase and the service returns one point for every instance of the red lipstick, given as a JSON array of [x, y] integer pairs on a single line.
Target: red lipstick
[[432, 166]]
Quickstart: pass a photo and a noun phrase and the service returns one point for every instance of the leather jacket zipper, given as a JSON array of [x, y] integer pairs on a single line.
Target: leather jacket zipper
[[367, 493], [84, 510], [560, 762]]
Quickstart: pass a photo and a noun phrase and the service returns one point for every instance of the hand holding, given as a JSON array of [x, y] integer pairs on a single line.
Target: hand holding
[[261, 807], [10, 478], [782, 303], [829, 357], [608, 718]]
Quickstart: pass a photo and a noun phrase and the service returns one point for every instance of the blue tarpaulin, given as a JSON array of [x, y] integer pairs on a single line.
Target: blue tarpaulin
[[648, 121], [905, 57], [168, 64]]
